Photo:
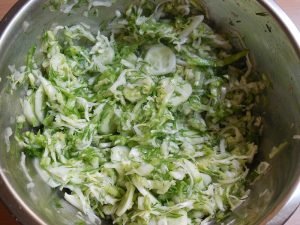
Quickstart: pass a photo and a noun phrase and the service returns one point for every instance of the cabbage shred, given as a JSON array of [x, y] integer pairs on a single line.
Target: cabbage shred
[[152, 123]]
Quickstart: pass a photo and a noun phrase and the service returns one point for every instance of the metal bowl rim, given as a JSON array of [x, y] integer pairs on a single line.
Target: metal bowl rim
[[19, 207]]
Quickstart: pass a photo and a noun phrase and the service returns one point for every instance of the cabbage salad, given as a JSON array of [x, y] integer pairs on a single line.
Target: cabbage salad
[[148, 121]]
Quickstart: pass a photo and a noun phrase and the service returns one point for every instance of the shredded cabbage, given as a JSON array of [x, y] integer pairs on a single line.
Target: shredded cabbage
[[7, 134], [152, 123], [66, 6]]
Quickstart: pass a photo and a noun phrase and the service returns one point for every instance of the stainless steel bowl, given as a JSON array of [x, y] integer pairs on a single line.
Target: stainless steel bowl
[[275, 45]]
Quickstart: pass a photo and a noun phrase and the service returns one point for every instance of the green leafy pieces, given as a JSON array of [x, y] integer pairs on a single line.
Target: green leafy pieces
[[151, 123], [66, 6], [197, 61]]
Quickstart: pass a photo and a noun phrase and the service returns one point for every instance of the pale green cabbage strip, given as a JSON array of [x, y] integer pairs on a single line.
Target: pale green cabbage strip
[[151, 124]]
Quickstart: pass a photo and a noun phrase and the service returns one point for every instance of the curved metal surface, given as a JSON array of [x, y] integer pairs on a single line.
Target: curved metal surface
[[286, 23], [8, 17], [277, 215], [8, 194], [283, 211]]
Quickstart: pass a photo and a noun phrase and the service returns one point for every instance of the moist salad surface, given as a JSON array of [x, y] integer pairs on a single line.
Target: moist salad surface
[[148, 120]]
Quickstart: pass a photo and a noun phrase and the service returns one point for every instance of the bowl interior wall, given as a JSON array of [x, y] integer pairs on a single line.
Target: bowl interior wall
[[274, 55]]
